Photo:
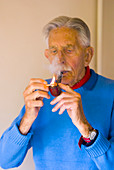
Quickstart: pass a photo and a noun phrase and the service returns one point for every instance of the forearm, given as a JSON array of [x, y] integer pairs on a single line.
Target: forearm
[[25, 124], [84, 128]]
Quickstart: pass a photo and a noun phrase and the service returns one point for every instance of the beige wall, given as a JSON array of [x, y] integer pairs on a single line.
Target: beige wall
[[108, 39], [22, 46]]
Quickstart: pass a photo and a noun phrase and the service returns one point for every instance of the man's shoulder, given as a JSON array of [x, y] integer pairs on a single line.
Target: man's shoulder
[[106, 83], [102, 83], [106, 80]]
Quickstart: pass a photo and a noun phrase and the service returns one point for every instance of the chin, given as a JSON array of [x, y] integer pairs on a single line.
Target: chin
[[67, 81]]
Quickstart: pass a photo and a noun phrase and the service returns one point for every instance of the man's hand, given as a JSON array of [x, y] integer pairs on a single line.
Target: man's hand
[[33, 97], [71, 101]]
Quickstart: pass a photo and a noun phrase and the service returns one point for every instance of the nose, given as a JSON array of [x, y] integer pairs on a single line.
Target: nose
[[61, 57]]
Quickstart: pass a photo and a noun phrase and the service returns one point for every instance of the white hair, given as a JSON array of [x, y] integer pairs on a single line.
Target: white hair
[[75, 23]]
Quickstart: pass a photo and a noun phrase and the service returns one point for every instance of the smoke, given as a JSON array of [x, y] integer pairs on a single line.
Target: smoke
[[56, 68]]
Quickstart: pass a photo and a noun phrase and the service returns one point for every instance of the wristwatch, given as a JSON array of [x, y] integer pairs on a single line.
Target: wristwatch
[[92, 134], [88, 140]]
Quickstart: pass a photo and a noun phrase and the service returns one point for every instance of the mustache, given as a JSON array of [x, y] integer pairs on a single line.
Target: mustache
[[57, 68]]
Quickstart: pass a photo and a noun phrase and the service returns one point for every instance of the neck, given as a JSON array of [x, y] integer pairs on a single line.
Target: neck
[[83, 80]]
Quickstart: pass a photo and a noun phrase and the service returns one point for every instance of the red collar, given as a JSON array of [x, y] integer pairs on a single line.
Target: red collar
[[83, 80]]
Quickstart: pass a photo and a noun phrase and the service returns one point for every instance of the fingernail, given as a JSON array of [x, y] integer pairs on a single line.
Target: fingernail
[[45, 82], [52, 110], [51, 102]]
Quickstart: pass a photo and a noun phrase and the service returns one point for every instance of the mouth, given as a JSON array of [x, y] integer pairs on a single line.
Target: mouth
[[64, 72]]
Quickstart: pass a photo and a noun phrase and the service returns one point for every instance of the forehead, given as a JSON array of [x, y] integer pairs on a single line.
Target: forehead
[[63, 36]]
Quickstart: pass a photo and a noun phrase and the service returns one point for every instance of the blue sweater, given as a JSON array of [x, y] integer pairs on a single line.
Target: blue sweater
[[54, 138]]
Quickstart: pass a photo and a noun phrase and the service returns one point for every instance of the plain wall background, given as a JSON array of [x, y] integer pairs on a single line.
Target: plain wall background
[[108, 39], [22, 48]]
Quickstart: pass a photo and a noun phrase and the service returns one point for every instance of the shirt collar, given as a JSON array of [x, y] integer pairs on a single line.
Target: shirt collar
[[83, 80]]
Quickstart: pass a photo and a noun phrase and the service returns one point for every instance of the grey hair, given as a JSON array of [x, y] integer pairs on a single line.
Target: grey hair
[[75, 23]]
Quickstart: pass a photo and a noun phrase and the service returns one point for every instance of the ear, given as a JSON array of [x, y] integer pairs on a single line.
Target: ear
[[88, 55], [46, 53]]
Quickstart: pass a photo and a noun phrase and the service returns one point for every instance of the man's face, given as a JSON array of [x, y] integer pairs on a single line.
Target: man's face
[[65, 47]]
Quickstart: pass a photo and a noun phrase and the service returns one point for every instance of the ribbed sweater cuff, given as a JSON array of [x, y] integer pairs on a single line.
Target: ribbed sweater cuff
[[16, 137], [99, 147]]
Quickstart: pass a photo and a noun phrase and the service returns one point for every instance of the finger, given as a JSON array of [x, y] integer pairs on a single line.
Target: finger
[[66, 106], [35, 86], [35, 95], [37, 80], [60, 97], [35, 103], [62, 109], [66, 87], [62, 102]]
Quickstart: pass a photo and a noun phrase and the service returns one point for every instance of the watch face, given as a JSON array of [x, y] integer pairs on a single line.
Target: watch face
[[92, 135]]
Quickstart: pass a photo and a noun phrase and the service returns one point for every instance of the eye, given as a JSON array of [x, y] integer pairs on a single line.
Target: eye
[[53, 51], [69, 51]]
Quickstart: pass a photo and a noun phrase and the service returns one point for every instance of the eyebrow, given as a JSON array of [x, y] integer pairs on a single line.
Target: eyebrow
[[68, 45], [52, 47]]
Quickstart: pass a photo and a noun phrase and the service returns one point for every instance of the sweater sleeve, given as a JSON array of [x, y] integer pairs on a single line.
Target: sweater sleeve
[[102, 150], [14, 145]]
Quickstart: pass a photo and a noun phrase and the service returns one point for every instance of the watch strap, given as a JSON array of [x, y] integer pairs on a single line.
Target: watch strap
[[92, 141], [87, 141]]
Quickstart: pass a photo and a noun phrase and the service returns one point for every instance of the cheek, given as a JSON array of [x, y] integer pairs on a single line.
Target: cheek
[[73, 63], [76, 63]]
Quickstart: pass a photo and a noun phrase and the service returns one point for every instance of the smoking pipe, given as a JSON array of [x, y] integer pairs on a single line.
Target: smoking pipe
[[54, 88]]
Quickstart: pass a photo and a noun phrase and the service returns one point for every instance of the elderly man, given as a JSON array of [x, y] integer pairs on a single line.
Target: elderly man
[[74, 130]]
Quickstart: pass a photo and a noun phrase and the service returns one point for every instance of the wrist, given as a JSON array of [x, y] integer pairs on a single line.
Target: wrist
[[25, 125], [91, 136], [88, 141], [85, 129]]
